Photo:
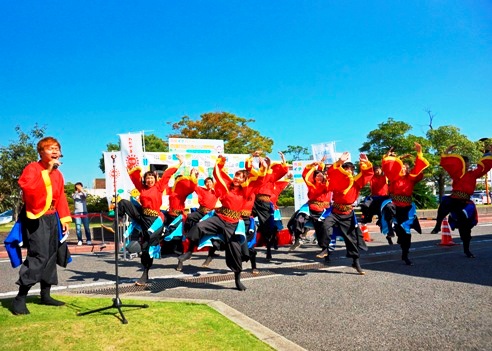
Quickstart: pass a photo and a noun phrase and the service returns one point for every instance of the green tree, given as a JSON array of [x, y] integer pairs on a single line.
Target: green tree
[[13, 158], [296, 153], [390, 134], [238, 137]]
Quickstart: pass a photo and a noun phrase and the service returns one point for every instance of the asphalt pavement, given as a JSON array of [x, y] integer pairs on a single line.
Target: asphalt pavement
[[442, 302]]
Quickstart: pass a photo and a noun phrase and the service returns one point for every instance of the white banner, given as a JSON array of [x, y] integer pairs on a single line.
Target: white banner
[[324, 150], [117, 179], [131, 148], [300, 188], [196, 146]]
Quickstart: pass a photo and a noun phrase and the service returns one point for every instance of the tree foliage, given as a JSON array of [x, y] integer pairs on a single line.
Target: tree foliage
[[296, 153], [238, 137], [13, 158], [390, 134]]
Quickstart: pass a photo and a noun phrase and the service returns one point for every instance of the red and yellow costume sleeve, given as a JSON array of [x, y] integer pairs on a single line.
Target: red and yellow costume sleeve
[[222, 179], [162, 183], [135, 174], [280, 185], [393, 167], [379, 185], [340, 179], [456, 167], [42, 190]]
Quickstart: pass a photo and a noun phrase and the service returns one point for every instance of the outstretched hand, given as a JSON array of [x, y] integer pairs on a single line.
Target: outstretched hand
[[363, 158], [344, 157]]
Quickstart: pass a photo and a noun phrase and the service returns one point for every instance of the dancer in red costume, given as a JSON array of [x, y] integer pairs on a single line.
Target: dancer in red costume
[[263, 207], [319, 198], [233, 193], [151, 190], [464, 183], [346, 189], [176, 214], [46, 205], [371, 206], [207, 200], [401, 210]]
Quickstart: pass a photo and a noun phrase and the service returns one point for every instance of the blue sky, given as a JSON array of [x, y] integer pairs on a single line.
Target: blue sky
[[306, 71]]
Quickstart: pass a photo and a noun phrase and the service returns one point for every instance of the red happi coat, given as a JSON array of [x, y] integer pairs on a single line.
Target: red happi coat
[[379, 185], [231, 197], [345, 186], [151, 198], [42, 191], [399, 183], [317, 192], [463, 179]]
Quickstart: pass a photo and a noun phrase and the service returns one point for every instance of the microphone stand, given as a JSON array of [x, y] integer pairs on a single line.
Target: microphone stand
[[116, 300]]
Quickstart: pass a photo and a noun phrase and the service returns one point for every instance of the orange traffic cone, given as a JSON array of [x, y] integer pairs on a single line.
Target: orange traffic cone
[[365, 233], [446, 239]]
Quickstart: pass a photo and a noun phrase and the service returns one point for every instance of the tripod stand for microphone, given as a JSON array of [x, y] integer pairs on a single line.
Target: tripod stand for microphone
[[116, 300]]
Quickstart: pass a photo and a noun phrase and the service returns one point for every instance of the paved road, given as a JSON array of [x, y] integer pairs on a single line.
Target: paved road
[[443, 302]]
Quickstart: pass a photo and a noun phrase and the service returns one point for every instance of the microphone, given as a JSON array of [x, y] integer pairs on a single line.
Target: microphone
[[55, 166]]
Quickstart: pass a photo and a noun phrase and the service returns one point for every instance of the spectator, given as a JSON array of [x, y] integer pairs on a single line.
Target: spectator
[[81, 215]]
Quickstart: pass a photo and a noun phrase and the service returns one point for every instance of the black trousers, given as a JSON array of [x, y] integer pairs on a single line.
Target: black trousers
[[351, 234], [42, 247], [266, 222], [233, 248]]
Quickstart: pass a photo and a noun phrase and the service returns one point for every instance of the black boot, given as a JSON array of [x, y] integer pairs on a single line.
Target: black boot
[[144, 278], [19, 304], [295, 245], [210, 257], [466, 249], [147, 263], [46, 298], [237, 279], [323, 253], [404, 257], [390, 240], [252, 258], [357, 267], [186, 255], [269, 253]]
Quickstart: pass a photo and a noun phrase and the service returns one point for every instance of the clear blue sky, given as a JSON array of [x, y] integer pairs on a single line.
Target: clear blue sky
[[306, 71]]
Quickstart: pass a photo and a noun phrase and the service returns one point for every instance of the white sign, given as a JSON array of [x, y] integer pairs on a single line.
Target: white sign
[[300, 187], [326, 150], [196, 146]]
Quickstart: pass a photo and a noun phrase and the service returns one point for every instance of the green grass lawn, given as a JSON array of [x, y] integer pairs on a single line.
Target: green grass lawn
[[161, 326]]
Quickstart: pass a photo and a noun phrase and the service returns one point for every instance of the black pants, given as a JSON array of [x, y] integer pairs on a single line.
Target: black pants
[[351, 234], [371, 207], [192, 219], [42, 247], [148, 239], [233, 248], [266, 222]]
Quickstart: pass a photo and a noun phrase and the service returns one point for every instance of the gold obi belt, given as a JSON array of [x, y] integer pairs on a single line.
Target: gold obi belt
[[263, 197], [204, 210], [456, 194], [150, 212], [402, 198], [236, 215], [342, 207], [320, 204]]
